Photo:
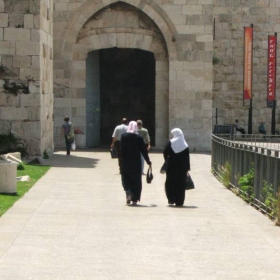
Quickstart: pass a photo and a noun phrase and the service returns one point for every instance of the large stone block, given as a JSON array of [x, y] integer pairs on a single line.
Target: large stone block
[[78, 121], [12, 113], [62, 103], [21, 61], [28, 21], [33, 146], [190, 29], [71, 7], [173, 9], [79, 74], [192, 9], [178, 19], [204, 38], [16, 34], [183, 75], [7, 47], [79, 65], [162, 85], [7, 60], [2, 6], [36, 35], [196, 123], [164, 75], [4, 20], [80, 112], [36, 61], [60, 7], [27, 129], [34, 113], [30, 100], [30, 72], [194, 85], [205, 2], [5, 127], [78, 102], [28, 48], [11, 100], [177, 85]]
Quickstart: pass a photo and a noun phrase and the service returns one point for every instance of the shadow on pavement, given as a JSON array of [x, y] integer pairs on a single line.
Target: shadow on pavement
[[74, 161], [142, 205], [180, 207]]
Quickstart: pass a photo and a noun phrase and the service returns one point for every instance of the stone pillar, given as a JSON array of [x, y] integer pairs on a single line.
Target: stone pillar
[[26, 102], [8, 177]]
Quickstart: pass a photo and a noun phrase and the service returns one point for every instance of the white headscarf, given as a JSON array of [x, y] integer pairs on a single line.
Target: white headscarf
[[132, 127], [178, 143]]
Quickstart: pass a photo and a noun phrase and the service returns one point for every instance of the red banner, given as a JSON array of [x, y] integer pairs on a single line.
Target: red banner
[[271, 67], [248, 62]]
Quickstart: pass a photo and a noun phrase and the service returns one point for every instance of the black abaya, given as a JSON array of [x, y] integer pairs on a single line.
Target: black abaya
[[131, 147], [178, 165]]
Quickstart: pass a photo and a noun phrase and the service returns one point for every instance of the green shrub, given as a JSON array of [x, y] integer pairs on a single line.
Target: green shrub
[[268, 198], [45, 155], [246, 183], [9, 144], [277, 208], [20, 167]]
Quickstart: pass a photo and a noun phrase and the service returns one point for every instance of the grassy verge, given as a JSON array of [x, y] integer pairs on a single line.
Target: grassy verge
[[35, 172]]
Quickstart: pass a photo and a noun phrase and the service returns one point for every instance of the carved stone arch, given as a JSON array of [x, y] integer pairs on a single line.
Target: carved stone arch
[[79, 41], [106, 40], [88, 9]]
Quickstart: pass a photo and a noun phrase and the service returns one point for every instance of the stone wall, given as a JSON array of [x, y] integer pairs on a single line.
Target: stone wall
[[26, 95], [230, 19], [183, 69]]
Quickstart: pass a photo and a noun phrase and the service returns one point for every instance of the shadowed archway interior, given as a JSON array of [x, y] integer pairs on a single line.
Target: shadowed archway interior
[[126, 88]]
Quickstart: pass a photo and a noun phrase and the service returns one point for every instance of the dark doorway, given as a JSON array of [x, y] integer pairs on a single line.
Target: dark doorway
[[127, 89]]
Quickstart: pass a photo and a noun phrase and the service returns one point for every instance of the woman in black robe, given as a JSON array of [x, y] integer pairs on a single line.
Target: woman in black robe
[[177, 152], [132, 146]]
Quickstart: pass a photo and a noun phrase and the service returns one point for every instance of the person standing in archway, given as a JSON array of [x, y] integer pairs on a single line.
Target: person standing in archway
[[116, 139], [67, 130], [132, 146]]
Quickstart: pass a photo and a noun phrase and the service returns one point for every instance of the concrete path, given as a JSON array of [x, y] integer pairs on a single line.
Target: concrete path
[[74, 224]]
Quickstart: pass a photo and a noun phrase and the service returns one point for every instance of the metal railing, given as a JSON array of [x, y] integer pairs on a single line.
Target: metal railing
[[241, 151]]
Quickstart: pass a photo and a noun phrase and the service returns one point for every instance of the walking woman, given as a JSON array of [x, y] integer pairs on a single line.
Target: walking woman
[[177, 152], [132, 146]]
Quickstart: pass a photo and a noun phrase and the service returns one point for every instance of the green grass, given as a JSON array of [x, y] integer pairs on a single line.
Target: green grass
[[35, 172]]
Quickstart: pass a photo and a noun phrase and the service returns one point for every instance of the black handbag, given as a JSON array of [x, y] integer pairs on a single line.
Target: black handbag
[[70, 139], [114, 153], [149, 176], [189, 185], [164, 166]]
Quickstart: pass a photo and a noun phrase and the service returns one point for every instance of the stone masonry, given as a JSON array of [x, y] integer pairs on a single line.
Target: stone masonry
[[179, 33], [230, 19], [26, 92], [44, 46]]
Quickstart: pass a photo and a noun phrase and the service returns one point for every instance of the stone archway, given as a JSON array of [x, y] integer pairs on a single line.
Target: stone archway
[[88, 35], [149, 8]]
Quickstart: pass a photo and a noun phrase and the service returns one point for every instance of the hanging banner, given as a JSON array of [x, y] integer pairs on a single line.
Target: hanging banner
[[271, 69], [248, 62]]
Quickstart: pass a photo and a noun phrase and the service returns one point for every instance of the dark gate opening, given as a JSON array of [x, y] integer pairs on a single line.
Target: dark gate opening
[[127, 89]]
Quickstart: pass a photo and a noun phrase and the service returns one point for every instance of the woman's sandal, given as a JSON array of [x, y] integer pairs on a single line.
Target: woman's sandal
[[128, 199]]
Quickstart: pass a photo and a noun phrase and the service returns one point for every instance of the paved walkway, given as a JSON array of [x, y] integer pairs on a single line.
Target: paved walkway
[[74, 224]]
